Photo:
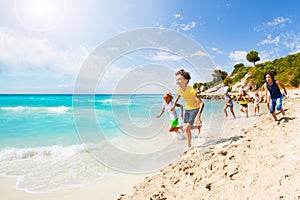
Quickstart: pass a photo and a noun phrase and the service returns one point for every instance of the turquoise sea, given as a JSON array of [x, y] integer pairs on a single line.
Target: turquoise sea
[[43, 137]]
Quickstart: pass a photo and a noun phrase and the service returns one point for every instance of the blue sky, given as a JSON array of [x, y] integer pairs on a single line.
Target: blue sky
[[44, 43]]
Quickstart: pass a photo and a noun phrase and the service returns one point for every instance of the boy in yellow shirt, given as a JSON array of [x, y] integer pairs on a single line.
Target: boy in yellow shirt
[[193, 104]]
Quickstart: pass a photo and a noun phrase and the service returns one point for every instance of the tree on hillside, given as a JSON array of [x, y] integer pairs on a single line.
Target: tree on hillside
[[253, 57], [237, 67], [219, 75]]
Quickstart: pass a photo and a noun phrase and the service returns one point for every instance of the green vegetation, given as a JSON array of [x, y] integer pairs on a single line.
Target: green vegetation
[[286, 69], [252, 56], [218, 77]]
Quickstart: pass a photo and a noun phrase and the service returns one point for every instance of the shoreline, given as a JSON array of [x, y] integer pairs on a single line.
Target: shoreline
[[106, 188]]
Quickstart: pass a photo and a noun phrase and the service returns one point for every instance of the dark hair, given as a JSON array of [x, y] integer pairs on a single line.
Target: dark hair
[[270, 73], [183, 73]]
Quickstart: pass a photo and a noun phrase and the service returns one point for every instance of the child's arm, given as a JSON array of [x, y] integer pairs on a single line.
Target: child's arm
[[266, 92], [175, 102], [201, 103], [281, 84], [181, 109], [161, 112]]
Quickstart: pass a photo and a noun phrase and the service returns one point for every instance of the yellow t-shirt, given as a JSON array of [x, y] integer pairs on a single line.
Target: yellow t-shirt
[[243, 100], [189, 97]]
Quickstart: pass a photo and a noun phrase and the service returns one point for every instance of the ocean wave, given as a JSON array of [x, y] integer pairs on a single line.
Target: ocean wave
[[17, 108], [104, 101], [117, 102], [45, 169], [54, 109], [9, 154]]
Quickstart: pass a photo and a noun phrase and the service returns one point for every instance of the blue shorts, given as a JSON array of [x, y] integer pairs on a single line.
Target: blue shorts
[[189, 116], [275, 102]]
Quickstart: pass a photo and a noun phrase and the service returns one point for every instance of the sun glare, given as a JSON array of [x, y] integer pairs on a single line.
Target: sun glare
[[40, 15]]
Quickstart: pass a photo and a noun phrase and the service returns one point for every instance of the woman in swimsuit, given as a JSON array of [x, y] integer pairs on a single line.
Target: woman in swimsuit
[[244, 102], [228, 103]]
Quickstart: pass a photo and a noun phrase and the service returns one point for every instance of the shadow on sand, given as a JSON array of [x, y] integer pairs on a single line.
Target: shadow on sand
[[215, 141]]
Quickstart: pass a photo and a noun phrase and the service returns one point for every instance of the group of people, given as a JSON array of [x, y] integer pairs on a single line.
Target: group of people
[[243, 98], [272, 93], [194, 105]]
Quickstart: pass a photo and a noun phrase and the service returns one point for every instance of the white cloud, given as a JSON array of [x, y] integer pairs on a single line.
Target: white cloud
[[179, 25], [136, 79], [288, 40], [216, 50], [270, 40], [65, 85], [291, 41], [177, 16], [183, 26], [279, 21], [269, 55], [165, 56], [199, 53], [25, 55], [238, 56]]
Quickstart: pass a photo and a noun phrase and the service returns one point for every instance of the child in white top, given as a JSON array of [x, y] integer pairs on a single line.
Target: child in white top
[[168, 103]]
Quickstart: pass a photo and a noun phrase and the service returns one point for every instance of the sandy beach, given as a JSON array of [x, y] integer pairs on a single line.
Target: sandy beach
[[254, 158], [108, 188], [260, 161]]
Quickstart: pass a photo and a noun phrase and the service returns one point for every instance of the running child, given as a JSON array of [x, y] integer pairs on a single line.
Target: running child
[[275, 100], [193, 104], [168, 103]]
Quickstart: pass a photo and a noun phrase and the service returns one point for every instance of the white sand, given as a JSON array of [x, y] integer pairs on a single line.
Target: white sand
[[108, 188], [261, 161]]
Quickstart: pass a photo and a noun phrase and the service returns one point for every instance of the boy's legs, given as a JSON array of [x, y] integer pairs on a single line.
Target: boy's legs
[[189, 118], [272, 108], [187, 129], [279, 105]]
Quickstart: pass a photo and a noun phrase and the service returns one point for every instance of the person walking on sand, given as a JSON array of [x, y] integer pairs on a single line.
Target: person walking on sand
[[228, 103], [275, 100], [244, 102], [167, 104], [256, 103], [193, 104]]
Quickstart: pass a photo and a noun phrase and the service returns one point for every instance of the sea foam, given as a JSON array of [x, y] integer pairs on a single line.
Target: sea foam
[[54, 109], [44, 169]]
